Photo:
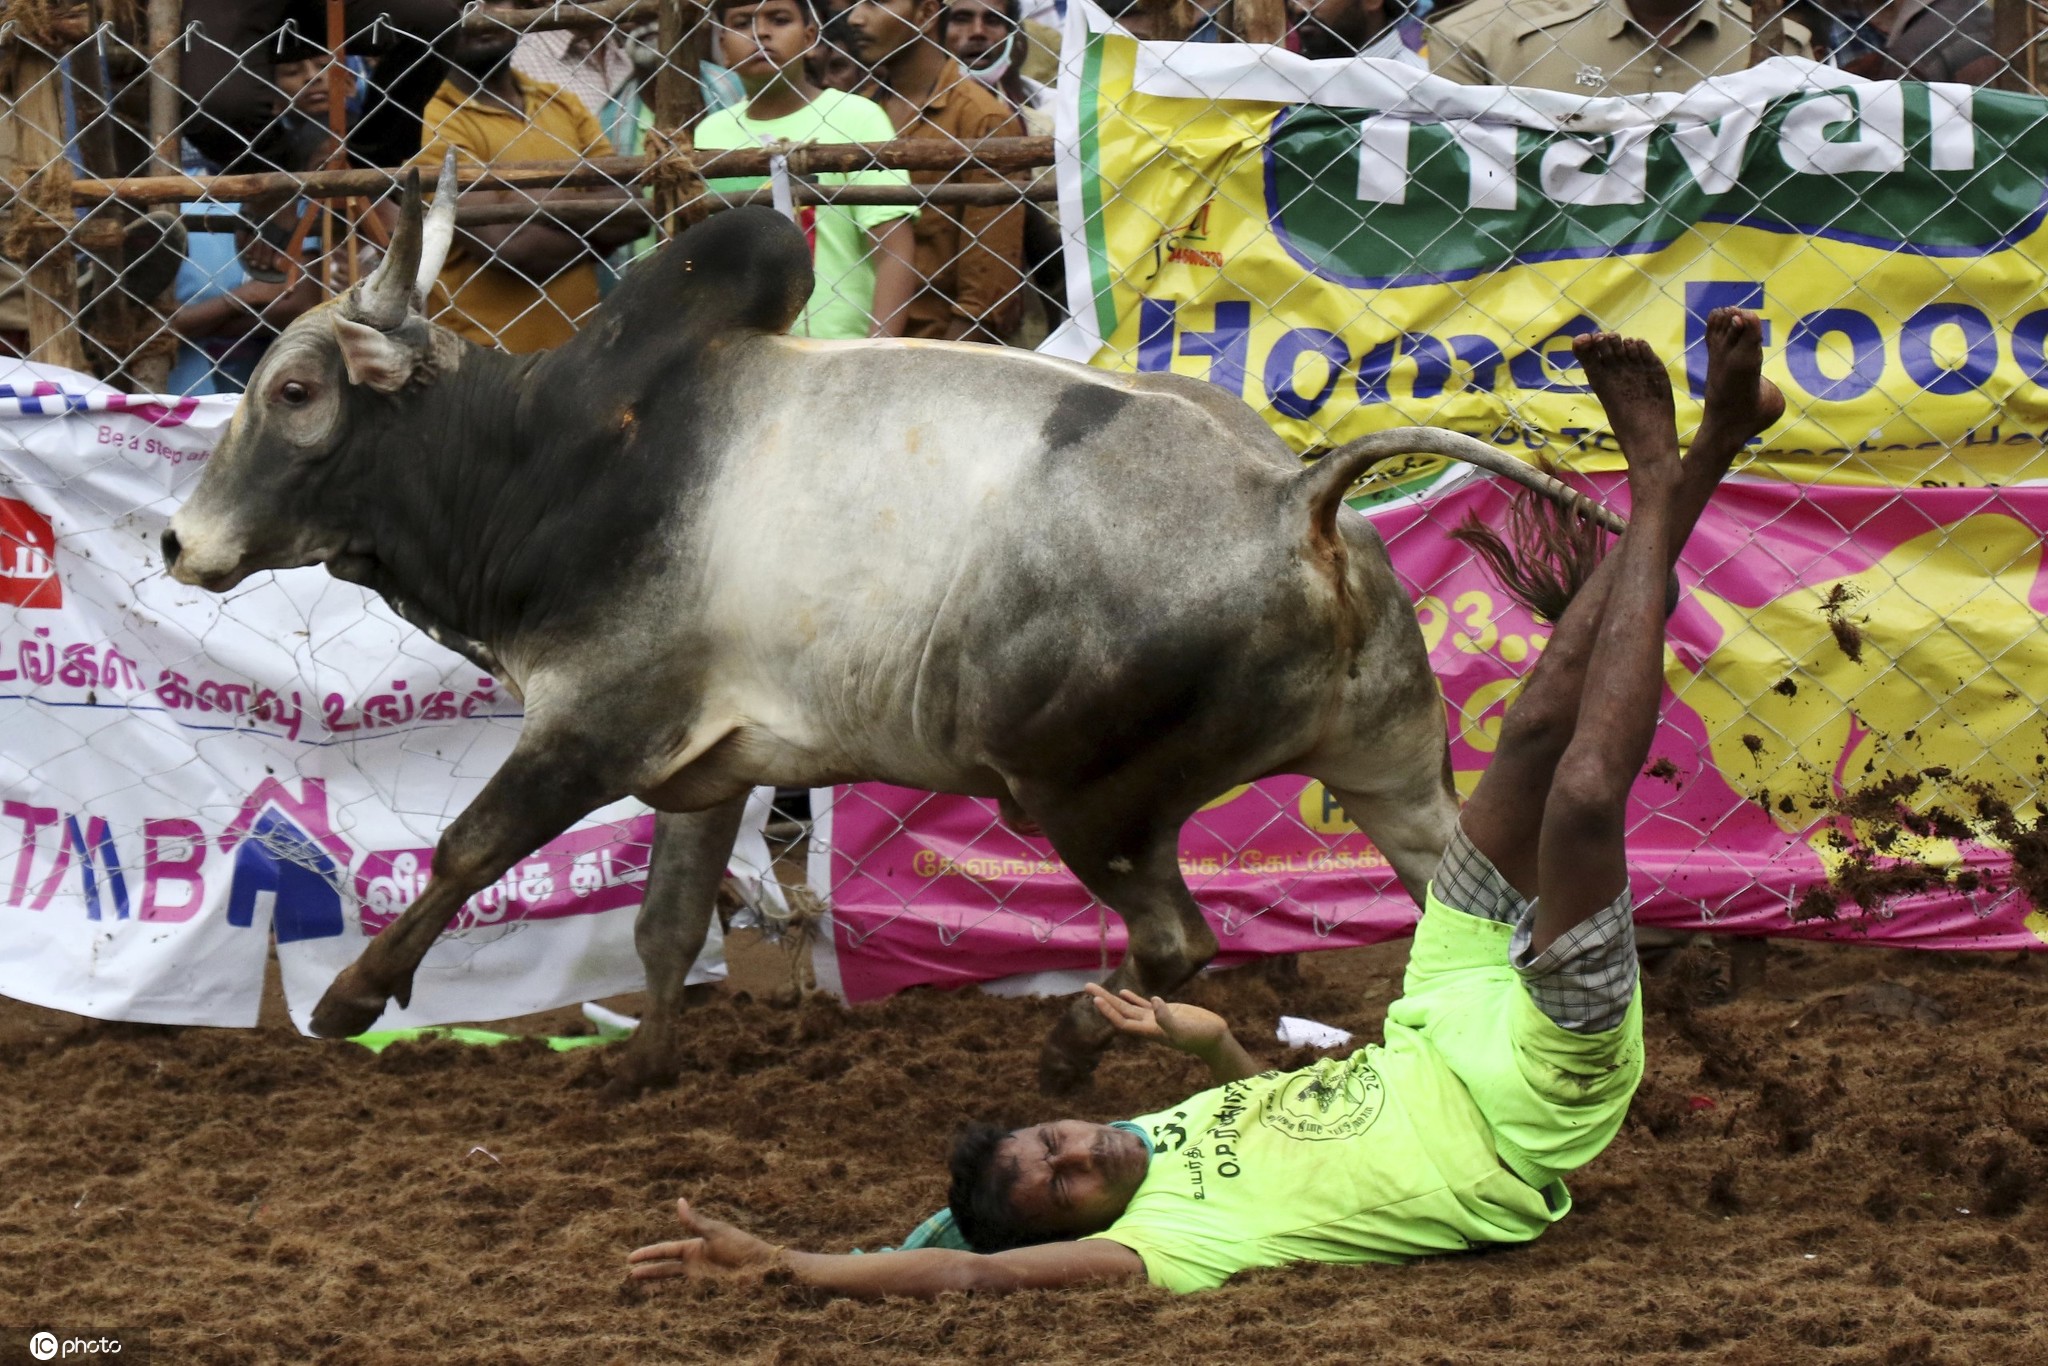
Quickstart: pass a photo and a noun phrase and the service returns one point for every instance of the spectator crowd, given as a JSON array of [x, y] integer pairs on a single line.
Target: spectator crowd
[[417, 83]]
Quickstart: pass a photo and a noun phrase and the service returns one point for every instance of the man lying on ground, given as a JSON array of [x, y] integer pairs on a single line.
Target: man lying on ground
[[1516, 1044]]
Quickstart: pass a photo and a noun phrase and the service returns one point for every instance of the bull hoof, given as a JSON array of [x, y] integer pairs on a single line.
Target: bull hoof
[[637, 1069], [343, 1014], [1062, 1073]]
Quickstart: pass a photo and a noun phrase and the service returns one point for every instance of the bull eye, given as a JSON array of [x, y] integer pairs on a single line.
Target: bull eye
[[293, 392]]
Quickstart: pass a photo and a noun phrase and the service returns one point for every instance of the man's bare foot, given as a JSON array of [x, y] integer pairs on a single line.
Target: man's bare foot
[[1635, 389], [1740, 402]]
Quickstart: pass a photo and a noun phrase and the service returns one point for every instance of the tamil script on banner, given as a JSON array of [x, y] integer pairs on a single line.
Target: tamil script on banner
[[183, 774], [1350, 246]]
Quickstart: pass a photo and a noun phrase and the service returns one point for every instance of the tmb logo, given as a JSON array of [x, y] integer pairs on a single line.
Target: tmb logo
[[28, 558]]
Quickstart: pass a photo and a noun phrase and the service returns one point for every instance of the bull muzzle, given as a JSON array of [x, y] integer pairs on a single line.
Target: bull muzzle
[[189, 561]]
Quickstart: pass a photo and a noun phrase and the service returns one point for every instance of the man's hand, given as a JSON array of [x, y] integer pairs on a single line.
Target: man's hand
[[1191, 1029], [713, 1248], [1197, 1032]]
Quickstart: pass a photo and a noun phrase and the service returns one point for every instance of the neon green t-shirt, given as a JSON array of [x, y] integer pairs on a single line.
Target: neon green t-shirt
[[844, 296], [1386, 1155], [1377, 1157]]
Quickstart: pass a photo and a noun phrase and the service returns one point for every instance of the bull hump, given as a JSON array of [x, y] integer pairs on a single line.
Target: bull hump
[[1080, 414], [747, 269]]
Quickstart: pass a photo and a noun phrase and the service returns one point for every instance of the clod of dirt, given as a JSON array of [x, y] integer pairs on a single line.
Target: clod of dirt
[[2007, 1183], [1817, 902], [1722, 1197], [1663, 768], [1892, 1001], [1848, 636], [1785, 687], [1786, 1109], [1753, 743]]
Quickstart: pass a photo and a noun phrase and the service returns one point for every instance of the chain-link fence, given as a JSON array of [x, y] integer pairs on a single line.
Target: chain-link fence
[[1272, 197]]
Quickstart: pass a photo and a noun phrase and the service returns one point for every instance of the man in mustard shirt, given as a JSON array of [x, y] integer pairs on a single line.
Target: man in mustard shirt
[[1516, 1044], [520, 286]]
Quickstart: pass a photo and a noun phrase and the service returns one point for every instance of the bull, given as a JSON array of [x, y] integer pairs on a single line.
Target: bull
[[706, 555]]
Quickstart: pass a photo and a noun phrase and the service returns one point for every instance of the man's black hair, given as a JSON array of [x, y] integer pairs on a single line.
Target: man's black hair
[[718, 8], [1012, 10], [980, 1194]]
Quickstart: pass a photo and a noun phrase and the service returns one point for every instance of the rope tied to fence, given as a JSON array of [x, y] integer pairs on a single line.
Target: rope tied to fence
[[40, 216], [52, 25], [678, 185]]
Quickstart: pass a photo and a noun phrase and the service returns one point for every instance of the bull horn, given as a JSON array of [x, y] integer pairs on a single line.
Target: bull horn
[[382, 300], [439, 235]]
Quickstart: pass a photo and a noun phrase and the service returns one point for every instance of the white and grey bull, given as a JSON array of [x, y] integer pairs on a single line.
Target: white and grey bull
[[708, 556]]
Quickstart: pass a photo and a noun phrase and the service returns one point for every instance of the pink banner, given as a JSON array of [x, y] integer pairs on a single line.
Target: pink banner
[[1852, 746]]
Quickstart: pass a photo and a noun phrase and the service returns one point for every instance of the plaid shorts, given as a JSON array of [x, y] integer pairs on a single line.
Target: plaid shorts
[[1583, 982]]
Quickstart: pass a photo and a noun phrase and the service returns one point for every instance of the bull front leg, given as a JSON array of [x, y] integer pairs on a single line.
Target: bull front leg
[[547, 783], [691, 851], [1133, 867]]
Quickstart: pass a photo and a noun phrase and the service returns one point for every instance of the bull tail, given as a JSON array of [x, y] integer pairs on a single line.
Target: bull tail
[[1322, 486]]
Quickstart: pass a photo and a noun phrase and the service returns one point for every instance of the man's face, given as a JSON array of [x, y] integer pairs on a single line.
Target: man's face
[[834, 68], [1071, 1177], [483, 52], [975, 30], [304, 85], [1337, 28], [883, 28], [764, 37]]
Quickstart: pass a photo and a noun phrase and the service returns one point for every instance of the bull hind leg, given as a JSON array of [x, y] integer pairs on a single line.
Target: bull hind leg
[[545, 785], [691, 851], [1133, 867], [1394, 782]]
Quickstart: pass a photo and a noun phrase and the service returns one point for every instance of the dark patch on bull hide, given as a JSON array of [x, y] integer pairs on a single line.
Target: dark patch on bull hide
[[1081, 413]]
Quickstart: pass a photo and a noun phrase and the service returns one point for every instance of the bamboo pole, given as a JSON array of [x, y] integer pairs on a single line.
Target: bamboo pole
[[540, 18], [945, 196], [51, 277], [163, 87], [118, 324], [2015, 29], [678, 104], [805, 159], [104, 234]]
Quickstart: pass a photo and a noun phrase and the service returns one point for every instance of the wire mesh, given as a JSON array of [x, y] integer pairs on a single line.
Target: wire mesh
[[1270, 197]]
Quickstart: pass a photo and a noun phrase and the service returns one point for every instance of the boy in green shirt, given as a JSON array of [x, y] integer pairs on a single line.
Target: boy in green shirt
[[861, 254], [1517, 1042]]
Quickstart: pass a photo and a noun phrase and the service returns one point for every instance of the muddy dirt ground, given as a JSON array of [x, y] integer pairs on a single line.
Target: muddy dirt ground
[[1846, 1165]]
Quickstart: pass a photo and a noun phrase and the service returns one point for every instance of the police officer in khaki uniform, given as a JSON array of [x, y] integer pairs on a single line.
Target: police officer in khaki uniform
[[1598, 47]]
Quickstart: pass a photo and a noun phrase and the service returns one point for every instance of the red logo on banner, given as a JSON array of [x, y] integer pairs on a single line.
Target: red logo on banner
[[28, 557]]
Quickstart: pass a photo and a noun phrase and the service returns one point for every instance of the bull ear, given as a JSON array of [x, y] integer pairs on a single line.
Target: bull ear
[[373, 357]]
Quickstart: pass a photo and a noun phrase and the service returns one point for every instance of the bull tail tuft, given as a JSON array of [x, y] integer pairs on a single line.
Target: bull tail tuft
[[1545, 556]]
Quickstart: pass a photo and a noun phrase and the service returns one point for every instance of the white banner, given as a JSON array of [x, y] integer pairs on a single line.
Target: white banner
[[181, 773]]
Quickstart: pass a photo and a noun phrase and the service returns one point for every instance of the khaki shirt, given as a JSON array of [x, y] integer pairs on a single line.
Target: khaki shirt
[[1593, 47], [971, 258], [487, 303]]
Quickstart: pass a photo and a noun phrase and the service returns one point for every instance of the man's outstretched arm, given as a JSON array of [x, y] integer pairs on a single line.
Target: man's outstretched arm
[[1194, 1031], [716, 1248]]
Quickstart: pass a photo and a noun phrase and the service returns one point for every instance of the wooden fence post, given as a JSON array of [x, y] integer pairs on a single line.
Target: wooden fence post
[[43, 212], [2015, 32], [164, 18], [678, 104]]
